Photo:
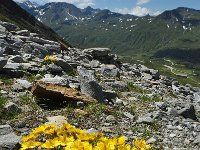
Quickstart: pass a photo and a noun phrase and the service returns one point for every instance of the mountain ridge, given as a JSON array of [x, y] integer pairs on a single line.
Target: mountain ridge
[[126, 34]]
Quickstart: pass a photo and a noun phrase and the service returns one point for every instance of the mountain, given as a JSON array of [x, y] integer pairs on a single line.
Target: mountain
[[174, 33], [24, 20]]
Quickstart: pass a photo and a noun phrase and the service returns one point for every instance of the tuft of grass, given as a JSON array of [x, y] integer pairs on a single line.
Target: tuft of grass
[[96, 109], [3, 101], [6, 80], [27, 99], [132, 87], [146, 98], [72, 72]]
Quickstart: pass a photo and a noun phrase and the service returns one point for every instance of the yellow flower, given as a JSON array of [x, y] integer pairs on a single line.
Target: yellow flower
[[29, 144], [141, 145], [121, 140], [47, 57], [64, 140], [54, 58], [50, 144], [29, 137]]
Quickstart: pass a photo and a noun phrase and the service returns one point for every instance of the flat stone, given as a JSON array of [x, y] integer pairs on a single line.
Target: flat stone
[[57, 120], [127, 114], [24, 83], [60, 93]]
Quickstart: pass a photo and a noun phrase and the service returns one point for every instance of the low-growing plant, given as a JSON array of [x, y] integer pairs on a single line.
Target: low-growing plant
[[72, 72], [27, 99], [137, 89], [3, 100], [66, 137], [6, 80], [50, 59], [146, 98]]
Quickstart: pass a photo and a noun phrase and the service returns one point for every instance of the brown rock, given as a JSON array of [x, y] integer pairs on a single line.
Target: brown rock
[[56, 92]]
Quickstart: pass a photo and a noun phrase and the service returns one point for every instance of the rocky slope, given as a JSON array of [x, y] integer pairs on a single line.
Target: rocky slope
[[90, 89], [25, 21]]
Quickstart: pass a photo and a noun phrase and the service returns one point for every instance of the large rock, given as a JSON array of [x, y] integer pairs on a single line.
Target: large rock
[[54, 69], [24, 83], [16, 59], [117, 85], [56, 80], [85, 74], [154, 73], [110, 71], [3, 30], [3, 62], [42, 41], [9, 26], [8, 139], [188, 112], [11, 108], [93, 89], [63, 64], [52, 47], [23, 32], [13, 69], [97, 52], [57, 120], [58, 93], [89, 86]]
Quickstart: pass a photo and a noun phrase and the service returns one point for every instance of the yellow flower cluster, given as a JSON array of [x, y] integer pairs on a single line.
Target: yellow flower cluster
[[67, 137], [51, 59]]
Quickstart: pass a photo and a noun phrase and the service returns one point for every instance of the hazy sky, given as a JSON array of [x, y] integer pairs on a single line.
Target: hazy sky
[[135, 7]]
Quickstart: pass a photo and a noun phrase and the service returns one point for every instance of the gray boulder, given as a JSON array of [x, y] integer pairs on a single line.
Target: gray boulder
[[97, 52], [8, 139], [16, 59], [54, 69], [146, 119], [3, 30], [11, 107], [9, 26], [24, 83], [56, 80], [110, 95], [13, 69], [94, 63], [188, 112], [146, 76], [52, 47], [27, 48], [117, 85], [84, 74], [93, 89], [110, 71], [23, 32], [8, 50], [63, 64], [43, 41], [3, 62]]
